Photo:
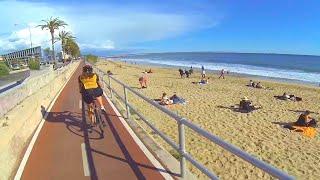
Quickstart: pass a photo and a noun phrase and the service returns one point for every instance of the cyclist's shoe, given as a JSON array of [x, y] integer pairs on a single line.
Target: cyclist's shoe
[[104, 124], [103, 109], [90, 129]]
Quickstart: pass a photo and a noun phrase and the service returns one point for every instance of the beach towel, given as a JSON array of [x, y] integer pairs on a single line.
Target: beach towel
[[306, 131]]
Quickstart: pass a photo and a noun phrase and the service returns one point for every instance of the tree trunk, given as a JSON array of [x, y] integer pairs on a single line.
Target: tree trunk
[[63, 51], [52, 43]]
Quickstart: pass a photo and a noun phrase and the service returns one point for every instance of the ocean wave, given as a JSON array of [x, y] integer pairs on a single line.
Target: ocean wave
[[241, 69]]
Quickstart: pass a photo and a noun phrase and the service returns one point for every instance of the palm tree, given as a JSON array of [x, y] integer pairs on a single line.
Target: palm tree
[[72, 47], [52, 24], [64, 36]]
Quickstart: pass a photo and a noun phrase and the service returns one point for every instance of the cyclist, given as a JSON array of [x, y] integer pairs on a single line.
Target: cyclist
[[90, 88]]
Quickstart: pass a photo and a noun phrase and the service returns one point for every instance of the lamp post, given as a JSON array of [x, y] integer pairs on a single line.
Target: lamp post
[[30, 36]]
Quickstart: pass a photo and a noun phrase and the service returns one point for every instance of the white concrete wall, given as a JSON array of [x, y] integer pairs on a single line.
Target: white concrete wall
[[21, 114], [11, 98]]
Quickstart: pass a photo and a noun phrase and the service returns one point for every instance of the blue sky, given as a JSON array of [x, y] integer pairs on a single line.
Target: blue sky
[[270, 26]]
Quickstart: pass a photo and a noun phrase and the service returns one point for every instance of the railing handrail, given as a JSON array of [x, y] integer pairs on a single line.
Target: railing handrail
[[204, 133]]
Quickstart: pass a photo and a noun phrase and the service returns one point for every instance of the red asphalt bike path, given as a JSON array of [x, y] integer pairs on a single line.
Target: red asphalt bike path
[[57, 152]]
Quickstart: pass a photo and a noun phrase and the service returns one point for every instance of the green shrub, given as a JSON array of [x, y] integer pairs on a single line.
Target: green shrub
[[34, 64], [92, 58], [4, 70]]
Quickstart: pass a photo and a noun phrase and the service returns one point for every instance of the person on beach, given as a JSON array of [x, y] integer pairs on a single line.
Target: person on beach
[[204, 80], [203, 72], [222, 72], [181, 72], [191, 70], [109, 72], [259, 85], [176, 99], [251, 83], [306, 120], [245, 104], [165, 100], [187, 73], [143, 80], [285, 96]]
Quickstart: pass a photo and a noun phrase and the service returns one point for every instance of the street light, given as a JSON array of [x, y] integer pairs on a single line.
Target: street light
[[32, 56]]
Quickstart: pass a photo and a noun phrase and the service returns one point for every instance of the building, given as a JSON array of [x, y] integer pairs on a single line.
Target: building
[[62, 56], [22, 57]]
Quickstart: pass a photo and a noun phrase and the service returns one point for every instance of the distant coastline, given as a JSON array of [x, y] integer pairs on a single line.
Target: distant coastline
[[302, 69], [223, 52]]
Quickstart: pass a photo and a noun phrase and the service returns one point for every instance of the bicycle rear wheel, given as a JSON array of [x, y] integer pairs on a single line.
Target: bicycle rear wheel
[[99, 119]]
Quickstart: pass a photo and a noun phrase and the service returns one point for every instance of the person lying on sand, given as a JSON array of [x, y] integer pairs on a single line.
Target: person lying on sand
[[291, 97], [306, 120], [285, 96], [204, 81], [176, 99], [294, 98], [165, 100], [251, 83], [109, 72], [259, 85]]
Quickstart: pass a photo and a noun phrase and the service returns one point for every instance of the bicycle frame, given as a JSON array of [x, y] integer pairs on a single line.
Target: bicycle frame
[[97, 114]]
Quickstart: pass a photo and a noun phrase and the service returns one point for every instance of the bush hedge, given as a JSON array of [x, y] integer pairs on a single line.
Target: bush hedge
[[92, 58], [34, 64], [4, 70]]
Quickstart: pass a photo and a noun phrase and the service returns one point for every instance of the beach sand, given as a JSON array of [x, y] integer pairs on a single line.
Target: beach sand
[[209, 107]]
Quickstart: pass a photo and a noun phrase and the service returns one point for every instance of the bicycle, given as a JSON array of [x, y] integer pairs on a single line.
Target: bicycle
[[96, 113]]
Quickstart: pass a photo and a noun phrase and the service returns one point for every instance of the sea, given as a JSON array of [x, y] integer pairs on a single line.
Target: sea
[[297, 68]]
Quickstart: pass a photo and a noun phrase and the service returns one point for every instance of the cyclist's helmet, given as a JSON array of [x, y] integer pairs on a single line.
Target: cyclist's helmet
[[87, 69]]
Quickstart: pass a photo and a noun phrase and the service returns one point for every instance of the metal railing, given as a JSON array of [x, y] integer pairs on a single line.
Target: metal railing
[[182, 122]]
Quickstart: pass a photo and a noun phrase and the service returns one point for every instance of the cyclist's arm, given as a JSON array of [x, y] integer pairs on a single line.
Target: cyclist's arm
[[98, 81], [80, 85]]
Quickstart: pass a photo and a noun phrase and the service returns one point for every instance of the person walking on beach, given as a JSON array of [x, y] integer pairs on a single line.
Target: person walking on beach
[[222, 74], [203, 72], [187, 73], [191, 70], [143, 80], [181, 72]]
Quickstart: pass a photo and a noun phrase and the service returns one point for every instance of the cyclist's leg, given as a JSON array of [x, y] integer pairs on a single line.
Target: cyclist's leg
[[99, 99], [98, 94], [88, 99]]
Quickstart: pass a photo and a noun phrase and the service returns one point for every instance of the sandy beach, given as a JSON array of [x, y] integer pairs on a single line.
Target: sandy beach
[[210, 106]]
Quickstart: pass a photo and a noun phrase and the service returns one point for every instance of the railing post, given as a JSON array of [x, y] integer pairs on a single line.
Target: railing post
[[182, 149], [126, 101], [111, 94]]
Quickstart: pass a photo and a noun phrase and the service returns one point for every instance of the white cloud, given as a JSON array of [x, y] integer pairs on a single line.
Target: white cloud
[[107, 45], [21, 39], [94, 28], [125, 27]]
